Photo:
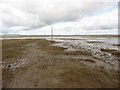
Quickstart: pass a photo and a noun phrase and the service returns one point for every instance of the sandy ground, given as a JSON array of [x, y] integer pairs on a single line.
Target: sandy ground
[[47, 66]]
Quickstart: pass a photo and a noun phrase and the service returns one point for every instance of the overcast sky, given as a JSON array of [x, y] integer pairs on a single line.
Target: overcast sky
[[68, 17]]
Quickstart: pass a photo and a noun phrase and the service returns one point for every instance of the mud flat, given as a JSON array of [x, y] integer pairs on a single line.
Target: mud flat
[[40, 63]]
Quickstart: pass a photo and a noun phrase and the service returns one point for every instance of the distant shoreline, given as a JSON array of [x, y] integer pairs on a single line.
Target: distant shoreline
[[14, 36]]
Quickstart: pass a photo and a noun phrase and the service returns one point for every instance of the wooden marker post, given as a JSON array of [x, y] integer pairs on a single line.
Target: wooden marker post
[[52, 33]]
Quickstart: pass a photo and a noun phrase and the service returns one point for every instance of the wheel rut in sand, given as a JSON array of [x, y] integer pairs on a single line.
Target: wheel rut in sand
[[32, 55]]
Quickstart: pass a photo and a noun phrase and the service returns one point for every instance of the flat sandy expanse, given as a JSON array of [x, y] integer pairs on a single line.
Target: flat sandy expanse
[[38, 64]]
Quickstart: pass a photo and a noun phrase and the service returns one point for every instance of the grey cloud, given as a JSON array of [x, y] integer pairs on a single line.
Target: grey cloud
[[46, 12], [29, 15]]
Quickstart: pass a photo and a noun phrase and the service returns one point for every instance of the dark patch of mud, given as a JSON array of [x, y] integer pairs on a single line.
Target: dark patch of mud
[[95, 42], [113, 51], [116, 44]]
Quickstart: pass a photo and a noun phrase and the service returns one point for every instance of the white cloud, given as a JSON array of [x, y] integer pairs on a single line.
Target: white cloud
[[106, 20], [35, 16], [105, 23]]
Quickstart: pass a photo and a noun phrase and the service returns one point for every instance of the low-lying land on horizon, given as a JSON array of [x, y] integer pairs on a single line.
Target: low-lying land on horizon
[[15, 35]]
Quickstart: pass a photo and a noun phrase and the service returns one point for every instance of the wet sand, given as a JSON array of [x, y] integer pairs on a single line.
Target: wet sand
[[38, 63]]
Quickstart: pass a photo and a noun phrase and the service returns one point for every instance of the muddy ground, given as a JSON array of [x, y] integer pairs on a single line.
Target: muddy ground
[[38, 64]]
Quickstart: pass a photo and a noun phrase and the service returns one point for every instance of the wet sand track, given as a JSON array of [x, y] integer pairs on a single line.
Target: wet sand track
[[41, 65]]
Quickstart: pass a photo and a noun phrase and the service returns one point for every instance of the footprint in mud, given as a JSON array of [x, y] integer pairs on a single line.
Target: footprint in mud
[[42, 67], [36, 82], [89, 60], [35, 85]]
